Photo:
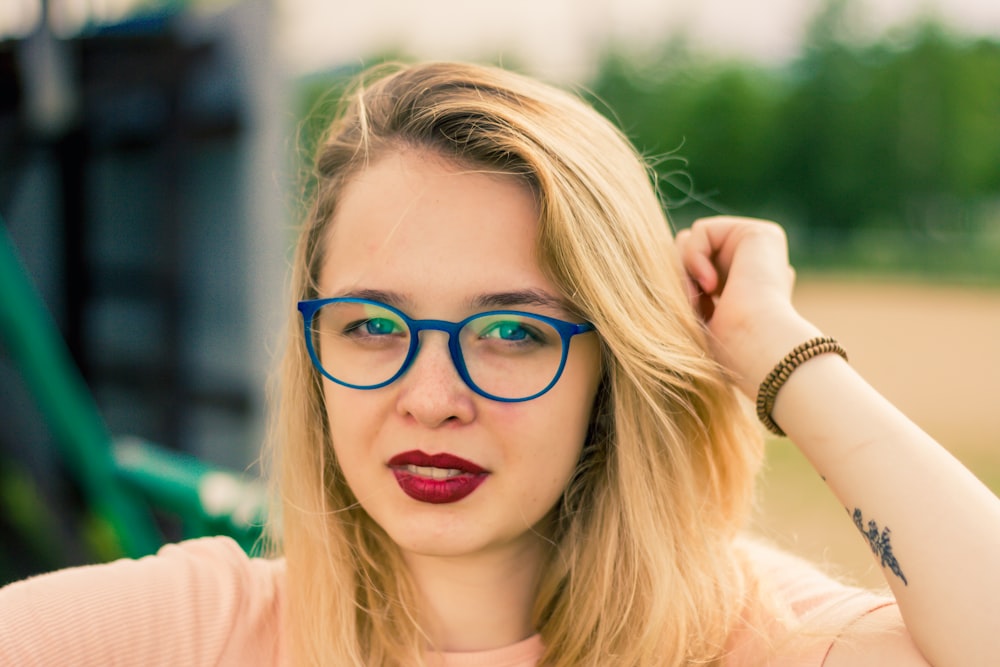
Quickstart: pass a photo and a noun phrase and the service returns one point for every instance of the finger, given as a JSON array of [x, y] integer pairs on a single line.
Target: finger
[[691, 288], [701, 300], [696, 254], [723, 233], [720, 236], [727, 236]]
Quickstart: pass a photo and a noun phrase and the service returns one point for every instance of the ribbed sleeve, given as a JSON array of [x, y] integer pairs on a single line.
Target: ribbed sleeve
[[201, 602]]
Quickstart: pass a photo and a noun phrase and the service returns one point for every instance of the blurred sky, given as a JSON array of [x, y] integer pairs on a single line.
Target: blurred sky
[[557, 38]]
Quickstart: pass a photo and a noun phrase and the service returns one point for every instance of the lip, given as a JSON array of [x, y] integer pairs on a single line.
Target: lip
[[443, 460], [465, 478]]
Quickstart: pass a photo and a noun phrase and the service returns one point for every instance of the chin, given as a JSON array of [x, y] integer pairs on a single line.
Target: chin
[[424, 538]]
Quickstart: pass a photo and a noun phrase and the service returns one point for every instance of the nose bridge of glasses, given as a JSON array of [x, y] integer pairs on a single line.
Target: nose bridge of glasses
[[449, 328]]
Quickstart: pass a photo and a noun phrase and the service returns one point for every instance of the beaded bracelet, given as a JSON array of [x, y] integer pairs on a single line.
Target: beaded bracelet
[[768, 391]]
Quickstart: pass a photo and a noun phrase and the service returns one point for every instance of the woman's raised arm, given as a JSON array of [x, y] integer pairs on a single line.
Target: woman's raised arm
[[933, 526]]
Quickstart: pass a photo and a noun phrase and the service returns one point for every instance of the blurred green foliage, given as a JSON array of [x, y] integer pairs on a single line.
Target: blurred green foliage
[[877, 155]]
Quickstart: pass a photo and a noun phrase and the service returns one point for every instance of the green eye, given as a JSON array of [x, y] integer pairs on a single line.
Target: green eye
[[380, 326], [506, 330]]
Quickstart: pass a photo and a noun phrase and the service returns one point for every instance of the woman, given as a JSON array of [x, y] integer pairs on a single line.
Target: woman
[[559, 473]]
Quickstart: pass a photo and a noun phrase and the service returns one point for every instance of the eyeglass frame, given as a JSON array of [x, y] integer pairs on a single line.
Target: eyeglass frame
[[566, 330]]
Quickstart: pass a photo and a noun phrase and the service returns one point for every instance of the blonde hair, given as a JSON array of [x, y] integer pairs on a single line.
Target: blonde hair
[[644, 569]]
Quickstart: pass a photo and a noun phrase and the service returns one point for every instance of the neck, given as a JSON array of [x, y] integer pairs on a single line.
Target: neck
[[480, 602]]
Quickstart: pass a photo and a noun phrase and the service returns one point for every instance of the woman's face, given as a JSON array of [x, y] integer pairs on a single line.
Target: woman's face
[[439, 241]]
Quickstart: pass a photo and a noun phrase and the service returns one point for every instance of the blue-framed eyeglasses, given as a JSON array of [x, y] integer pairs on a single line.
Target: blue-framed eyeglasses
[[504, 355]]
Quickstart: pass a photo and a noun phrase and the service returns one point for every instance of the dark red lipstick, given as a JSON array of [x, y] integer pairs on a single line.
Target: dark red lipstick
[[436, 478]]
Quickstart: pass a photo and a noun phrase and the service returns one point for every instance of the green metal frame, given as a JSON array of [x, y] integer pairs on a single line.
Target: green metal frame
[[123, 480]]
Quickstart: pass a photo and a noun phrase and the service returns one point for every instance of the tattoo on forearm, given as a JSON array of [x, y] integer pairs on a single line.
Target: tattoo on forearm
[[879, 542]]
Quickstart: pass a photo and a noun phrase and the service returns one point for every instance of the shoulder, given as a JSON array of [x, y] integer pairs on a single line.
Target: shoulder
[[801, 586], [825, 621], [876, 639], [207, 593]]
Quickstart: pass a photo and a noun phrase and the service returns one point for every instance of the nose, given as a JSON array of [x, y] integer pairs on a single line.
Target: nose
[[431, 391]]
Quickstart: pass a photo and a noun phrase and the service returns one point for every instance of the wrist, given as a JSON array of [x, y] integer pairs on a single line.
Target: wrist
[[753, 353], [767, 393]]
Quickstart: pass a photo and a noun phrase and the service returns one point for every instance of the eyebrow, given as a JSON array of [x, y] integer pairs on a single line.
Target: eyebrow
[[396, 299], [490, 300], [528, 297]]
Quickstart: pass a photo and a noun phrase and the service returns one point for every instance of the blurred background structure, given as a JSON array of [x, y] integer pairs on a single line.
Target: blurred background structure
[[142, 161], [148, 168]]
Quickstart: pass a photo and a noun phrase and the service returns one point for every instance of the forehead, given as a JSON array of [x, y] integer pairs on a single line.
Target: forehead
[[418, 224]]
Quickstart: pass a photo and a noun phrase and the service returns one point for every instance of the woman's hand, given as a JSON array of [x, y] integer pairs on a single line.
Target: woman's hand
[[741, 284]]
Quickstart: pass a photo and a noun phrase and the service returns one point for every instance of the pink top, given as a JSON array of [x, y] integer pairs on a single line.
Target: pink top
[[204, 602]]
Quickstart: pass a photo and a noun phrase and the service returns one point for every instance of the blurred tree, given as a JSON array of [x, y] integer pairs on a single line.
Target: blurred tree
[[899, 134], [895, 139], [700, 122]]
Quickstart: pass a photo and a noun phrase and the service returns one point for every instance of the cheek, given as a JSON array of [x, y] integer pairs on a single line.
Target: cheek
[[578, 388], [573, 423], [353, 420], [549, 463], [558, 431]]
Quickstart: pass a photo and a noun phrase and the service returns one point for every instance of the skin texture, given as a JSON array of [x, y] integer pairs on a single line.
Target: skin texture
[[434, 237]]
